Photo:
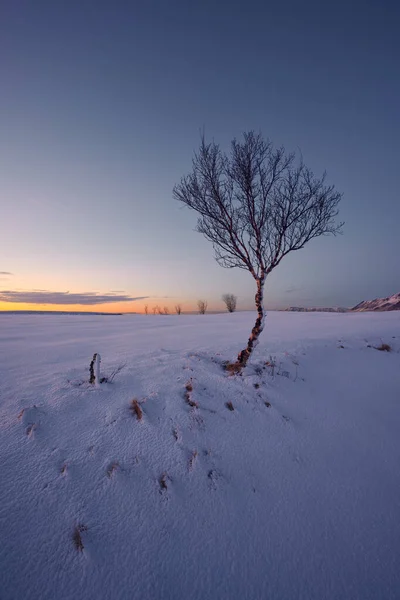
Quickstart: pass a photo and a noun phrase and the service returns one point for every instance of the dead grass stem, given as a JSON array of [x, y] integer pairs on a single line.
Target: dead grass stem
[[163, 482], [30, 429], [136, 409], [383, 348], [189, 400], [112, 468], [77, 537], [192, 459]]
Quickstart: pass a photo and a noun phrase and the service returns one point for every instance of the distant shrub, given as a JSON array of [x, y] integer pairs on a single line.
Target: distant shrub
[[202, 306], [230, 301]]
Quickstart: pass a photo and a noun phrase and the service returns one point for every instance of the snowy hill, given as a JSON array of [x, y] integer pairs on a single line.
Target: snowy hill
[[380, 304], [293, 494], [329, 309]]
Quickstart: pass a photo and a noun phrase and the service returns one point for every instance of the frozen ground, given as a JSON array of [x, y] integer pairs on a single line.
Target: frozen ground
[[295, 494]]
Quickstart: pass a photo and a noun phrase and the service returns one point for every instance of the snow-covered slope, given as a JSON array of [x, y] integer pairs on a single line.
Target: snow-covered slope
[[294, 494], [380, 304], [317, 309]]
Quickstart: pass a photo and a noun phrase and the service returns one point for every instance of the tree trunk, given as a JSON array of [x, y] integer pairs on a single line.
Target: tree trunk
[[244, 355]]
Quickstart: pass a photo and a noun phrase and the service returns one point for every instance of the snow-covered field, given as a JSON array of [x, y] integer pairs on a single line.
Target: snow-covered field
[[295, 494]]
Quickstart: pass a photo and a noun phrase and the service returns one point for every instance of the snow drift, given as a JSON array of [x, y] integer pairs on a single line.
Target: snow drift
[[282, 483]]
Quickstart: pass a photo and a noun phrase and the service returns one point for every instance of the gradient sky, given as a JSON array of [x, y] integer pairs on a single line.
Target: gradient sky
[[101, 104]]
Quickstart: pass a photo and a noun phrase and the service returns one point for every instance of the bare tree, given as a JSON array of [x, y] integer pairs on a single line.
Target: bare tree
[[230, 301], [155, 310], [255, 206], [146, 309], [178, 309], [165, 311], [202, 306]]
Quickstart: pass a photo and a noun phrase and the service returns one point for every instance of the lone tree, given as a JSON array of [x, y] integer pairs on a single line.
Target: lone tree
[[178, 309], [255, 206], [230, 302], [202, 305]]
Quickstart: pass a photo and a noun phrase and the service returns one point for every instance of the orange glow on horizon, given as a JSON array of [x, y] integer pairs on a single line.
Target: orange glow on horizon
[[110, 308], [115, 307], [20, 306]]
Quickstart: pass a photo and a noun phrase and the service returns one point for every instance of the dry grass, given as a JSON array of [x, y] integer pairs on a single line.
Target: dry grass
[[77, 537], [229, 405], [135, 409], [383, 348], [187, 396], [21, 414], [30, 429], [112, 468], [233, 368], [192, 459], [189, 401], [64, 469], [163, 482], [114, 373], [271, 364], [213, 475]]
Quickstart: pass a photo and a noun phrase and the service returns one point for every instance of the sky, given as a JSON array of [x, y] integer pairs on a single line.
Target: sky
[[101, 108]]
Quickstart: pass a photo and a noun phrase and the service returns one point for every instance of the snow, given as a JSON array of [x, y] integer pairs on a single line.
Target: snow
[[296, 500]]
